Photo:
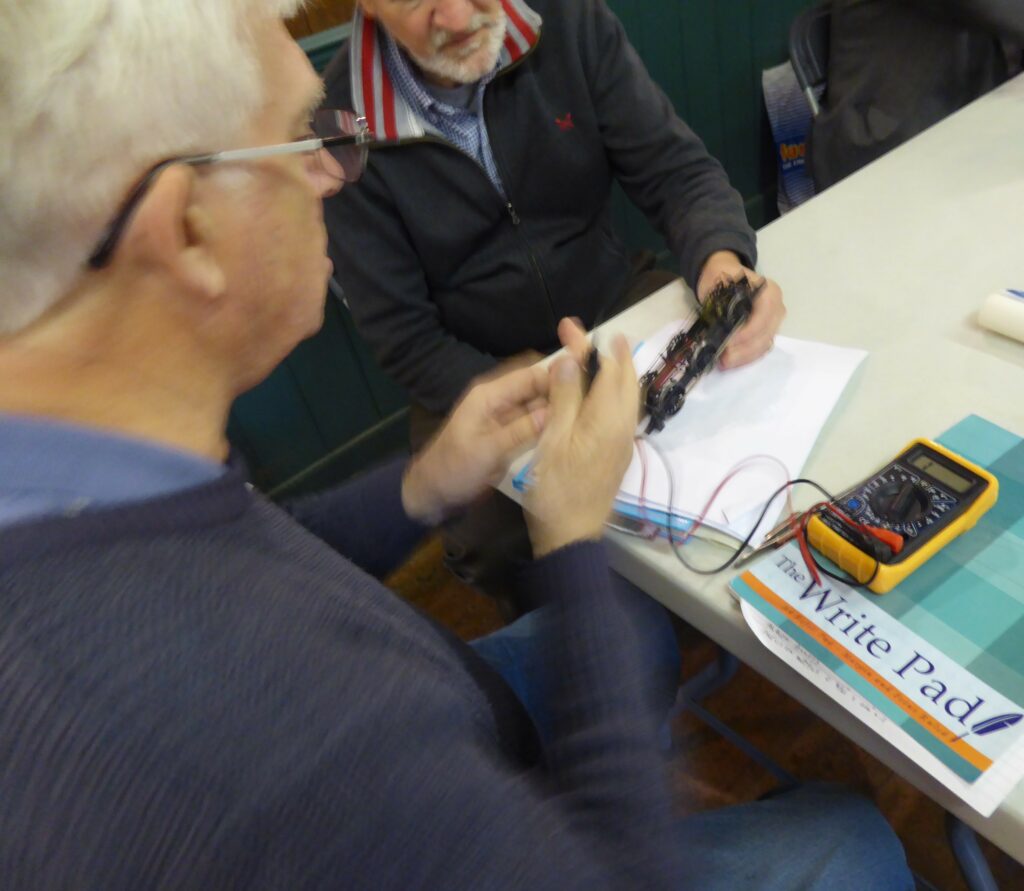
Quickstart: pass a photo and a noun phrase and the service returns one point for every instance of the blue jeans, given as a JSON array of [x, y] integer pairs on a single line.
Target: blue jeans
[[517, 653], [816, 837]]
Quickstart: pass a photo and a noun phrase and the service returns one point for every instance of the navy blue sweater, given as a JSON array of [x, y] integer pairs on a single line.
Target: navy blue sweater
[[197, 692]]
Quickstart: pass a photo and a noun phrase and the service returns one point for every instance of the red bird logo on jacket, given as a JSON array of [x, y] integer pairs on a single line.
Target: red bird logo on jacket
[[566, 122]]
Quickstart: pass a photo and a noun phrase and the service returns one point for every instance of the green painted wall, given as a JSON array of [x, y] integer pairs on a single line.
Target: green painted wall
[[324, 413], [708, 56], [328, 411]]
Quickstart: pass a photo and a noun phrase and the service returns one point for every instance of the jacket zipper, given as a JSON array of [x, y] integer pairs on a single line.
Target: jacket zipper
[[533, 261], [509, 208], [513, 215]]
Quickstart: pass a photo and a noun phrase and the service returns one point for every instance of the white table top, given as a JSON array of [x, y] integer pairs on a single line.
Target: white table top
[[896, 260]]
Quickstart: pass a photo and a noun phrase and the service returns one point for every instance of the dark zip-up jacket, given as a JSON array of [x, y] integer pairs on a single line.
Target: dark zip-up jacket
[[444, 275]]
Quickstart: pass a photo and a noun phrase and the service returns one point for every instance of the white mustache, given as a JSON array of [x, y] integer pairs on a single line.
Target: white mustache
[[477, 22]]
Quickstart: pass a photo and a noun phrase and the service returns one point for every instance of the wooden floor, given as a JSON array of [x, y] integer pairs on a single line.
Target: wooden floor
[[707, 771]]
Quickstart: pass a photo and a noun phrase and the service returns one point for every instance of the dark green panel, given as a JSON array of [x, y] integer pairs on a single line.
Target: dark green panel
[[698, 43], [325, 394], [738, 84], [388, 396], [275, 430], [708, 55], [388, 438], [331, 381]]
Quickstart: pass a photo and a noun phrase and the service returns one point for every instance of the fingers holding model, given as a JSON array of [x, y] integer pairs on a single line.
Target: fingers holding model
[[496, 419], [584, 450], [754, 338], [582, 455]]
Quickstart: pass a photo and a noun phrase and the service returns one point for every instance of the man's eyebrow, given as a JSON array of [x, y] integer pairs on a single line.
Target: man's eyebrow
[[316, 99]]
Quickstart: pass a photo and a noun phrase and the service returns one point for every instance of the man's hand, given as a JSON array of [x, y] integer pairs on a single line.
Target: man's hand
[[755, 338], [496, 419], [585, 448], [520, 360]]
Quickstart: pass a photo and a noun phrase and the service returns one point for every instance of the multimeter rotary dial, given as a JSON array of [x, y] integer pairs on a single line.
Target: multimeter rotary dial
[[903, 501]]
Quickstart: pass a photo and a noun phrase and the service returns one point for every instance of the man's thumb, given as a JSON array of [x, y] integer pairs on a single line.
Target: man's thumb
[[565, 395]]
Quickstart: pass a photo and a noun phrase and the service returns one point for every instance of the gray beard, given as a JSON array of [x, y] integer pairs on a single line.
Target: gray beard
[[459, 70]]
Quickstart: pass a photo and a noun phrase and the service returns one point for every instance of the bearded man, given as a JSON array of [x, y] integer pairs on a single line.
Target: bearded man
[[489, 218]]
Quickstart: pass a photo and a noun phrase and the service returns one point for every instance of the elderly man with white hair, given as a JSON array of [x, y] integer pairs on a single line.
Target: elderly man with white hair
[[199, 691]]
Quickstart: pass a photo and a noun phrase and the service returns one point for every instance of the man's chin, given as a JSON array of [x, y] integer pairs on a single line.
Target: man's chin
[[465, 70]]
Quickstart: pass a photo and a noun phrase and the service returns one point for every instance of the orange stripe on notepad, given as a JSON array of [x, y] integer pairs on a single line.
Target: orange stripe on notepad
[[940, 732]]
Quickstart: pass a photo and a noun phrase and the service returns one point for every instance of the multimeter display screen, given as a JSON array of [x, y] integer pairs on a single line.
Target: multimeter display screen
[[941, 473]]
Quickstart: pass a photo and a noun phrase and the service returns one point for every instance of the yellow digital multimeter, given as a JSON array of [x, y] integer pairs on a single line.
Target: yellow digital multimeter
[[927, 494]]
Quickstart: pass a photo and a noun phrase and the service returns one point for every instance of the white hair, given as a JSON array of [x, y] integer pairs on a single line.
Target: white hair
[[92, 93]]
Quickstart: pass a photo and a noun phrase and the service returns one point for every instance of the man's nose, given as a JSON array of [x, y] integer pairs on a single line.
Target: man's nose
[[325, 174], [453, 15], [329, 188]]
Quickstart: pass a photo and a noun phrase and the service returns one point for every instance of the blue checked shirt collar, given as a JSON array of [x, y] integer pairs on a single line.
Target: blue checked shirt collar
[[462, 127]]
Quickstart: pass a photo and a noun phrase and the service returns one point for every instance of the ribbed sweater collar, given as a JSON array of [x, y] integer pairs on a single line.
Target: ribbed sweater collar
[[219, 501]]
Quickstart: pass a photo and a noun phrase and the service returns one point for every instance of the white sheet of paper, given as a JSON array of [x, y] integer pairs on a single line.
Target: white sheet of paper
[[767, 415]]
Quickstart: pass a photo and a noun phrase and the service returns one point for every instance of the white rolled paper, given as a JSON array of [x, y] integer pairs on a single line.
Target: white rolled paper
[[1003, 313]]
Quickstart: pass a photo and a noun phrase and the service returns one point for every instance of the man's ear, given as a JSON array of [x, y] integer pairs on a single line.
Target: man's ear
[[170, 231]]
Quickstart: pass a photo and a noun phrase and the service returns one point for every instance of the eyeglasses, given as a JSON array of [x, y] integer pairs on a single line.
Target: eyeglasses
[[339, 142]]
